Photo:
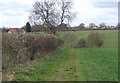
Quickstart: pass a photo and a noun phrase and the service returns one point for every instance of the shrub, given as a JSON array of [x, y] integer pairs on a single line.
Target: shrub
[[95, 39], [36, 43], [60, 42], [11, 45], [49, 42], [20, 48], [29, 44], [70, 39], [81, 43]]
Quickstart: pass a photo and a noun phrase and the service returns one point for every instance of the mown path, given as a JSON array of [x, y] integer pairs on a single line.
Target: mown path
[[69, 64], [69, 70]]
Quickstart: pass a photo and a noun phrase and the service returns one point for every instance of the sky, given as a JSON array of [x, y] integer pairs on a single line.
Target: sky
[[15, 13]]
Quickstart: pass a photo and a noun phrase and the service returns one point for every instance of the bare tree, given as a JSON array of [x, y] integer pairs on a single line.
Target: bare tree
[[66, 14], [44, 13], [51, 14]]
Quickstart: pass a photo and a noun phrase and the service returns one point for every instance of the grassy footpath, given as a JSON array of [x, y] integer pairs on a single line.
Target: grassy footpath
[[90, 64], [41, 69], [70, 64]]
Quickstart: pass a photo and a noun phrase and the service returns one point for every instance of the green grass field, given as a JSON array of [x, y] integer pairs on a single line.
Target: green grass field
[[73, 64], [110, 36]]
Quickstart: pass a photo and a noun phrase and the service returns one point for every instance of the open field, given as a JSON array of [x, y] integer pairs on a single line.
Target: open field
[[110, 36], [72, 64]]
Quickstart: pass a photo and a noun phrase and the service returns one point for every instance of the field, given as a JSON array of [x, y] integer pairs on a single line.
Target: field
[[72, 64]]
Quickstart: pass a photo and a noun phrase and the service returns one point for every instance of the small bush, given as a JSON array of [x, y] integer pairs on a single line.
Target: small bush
[[60, 42], [81, 43], [70, 39], [95, 39], [49, 42]]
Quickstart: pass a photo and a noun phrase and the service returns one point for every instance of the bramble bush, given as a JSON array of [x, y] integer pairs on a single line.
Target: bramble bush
[[11, 45], [21, 48]]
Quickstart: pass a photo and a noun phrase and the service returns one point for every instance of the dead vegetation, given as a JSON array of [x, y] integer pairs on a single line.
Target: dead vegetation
[[21, 48]]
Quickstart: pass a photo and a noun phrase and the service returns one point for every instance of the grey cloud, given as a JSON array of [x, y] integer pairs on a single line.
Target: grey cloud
[[14, 6], [13, 11], [106, 4]]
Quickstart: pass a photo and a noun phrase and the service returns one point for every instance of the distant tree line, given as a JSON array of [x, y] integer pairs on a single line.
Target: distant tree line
[[65, 27]]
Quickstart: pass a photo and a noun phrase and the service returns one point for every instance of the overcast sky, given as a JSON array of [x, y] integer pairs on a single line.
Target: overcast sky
[[15, 13]]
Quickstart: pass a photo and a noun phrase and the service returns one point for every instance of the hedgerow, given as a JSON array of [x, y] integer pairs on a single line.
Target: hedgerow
[[23, 47]]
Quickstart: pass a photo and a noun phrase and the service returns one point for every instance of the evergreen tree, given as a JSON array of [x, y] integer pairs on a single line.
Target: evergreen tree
[[28, 27]]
